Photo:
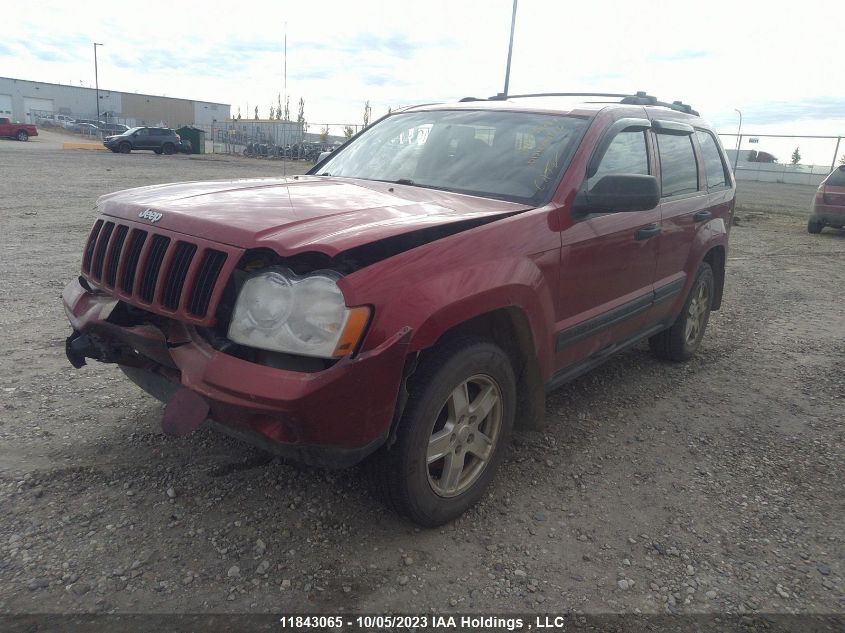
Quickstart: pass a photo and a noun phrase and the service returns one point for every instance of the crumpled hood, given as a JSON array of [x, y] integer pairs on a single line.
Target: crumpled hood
[[292, 215]]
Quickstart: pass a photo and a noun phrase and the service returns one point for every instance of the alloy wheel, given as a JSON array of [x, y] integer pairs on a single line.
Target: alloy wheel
[[697, 312], [464, 436]]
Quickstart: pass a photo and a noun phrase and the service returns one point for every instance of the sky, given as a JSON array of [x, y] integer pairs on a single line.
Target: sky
[[781, 66]]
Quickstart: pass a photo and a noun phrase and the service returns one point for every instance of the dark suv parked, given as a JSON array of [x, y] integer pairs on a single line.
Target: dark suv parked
[[161, 140], [829, 203], [415, 296]]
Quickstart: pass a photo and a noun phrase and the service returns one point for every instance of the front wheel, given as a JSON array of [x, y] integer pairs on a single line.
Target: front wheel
[[453, 434], [683, 339], [22, 135], [125, 148]]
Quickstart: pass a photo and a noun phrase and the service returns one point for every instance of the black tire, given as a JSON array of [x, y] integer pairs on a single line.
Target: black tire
[[168, 148], [679, 343], [157, 151], [22, 135], [402, 475], [814, 226], [124, 148]]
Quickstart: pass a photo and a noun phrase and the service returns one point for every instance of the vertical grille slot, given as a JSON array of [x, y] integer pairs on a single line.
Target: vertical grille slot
[[153, 267], [210, 267], [136, 243], [89, 247], [100, 251], [176, 275], [114, 255]]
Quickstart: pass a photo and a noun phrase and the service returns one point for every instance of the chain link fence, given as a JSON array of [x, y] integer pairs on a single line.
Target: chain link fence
[[784, 158]]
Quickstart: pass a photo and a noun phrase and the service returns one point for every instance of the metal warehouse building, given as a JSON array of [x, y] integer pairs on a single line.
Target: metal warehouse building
[[20, 98]]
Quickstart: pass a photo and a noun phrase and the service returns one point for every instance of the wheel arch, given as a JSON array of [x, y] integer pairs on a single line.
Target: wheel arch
[[509, 328], [716, 257]]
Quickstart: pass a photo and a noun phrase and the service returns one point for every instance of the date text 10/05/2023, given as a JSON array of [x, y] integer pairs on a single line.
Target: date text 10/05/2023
[[370, 622]]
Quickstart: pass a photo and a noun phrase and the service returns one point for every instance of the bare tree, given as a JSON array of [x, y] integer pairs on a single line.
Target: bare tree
[[256, 113], [324, 134], [842, 159], [367, 112], [348, 131], [287, 109], [279, 107], [796, 156]]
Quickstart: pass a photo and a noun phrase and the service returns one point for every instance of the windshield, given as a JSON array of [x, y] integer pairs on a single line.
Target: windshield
[[516, 156]]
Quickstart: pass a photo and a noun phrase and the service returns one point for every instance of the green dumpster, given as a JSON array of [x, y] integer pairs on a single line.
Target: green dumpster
[[195, 136]]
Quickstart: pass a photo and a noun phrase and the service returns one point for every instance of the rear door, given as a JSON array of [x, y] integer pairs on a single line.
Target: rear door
[[684, 207]]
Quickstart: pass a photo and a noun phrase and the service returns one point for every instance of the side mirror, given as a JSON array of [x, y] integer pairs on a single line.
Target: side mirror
[[619, 192]]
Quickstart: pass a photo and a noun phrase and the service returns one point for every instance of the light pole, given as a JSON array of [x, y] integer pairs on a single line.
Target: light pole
[[738, 139], [510, 50], [97, 82]]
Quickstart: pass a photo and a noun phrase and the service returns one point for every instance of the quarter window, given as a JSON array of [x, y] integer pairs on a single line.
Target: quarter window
[[717, 176], [626, 154], [678, 167]]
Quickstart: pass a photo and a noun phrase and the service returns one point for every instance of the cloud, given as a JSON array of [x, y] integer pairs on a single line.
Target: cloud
[[680, 56]]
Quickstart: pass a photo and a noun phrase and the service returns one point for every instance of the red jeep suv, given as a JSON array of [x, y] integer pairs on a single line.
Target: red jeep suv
[[829, 203], [417, 294]]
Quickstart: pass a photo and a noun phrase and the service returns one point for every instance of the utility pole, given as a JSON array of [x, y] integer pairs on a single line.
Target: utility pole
[[510, 50], [97, 82], [738, 139]]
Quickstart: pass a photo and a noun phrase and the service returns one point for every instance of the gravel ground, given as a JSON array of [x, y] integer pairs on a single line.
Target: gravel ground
[[706, 487]]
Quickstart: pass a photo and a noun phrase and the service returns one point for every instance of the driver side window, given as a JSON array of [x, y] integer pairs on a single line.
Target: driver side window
[[626, 154], [143, 131]]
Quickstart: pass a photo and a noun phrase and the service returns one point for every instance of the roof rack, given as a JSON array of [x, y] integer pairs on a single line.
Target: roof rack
[[639, 98]]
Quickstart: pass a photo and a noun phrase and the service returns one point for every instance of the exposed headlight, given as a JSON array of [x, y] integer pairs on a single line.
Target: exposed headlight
[[280, 311]]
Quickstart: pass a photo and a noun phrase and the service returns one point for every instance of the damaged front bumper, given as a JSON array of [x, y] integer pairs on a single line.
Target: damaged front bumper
[[334, 417]]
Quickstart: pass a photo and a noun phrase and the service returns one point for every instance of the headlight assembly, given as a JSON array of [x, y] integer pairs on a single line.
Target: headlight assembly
[[307, 315]]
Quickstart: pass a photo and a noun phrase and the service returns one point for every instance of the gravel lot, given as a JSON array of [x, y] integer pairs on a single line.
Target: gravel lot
[[713, 486]]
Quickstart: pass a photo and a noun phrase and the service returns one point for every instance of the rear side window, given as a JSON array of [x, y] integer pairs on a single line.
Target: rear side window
[[836, 178], [626, 154], [678, 166], [717, 176]]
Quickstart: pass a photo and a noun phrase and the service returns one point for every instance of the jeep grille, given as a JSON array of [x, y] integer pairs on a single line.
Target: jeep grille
[[158, 271]]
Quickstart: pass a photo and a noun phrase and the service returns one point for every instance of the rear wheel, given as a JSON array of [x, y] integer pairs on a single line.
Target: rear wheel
[[683, 339], [124, 148], [814, 226], [22, 135], [168, 148], [453, 434]]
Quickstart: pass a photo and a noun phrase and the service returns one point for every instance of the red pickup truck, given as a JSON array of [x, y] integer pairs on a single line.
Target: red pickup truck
[[414, 297], [20, 131]]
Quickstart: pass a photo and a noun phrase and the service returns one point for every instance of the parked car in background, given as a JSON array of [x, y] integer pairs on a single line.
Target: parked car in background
[[20, 131], [420, 290], [160, 140], [88, 129], [829, 203], [111, 129]]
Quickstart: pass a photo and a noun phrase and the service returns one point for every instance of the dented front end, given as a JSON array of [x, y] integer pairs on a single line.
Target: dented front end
[[329, 417]]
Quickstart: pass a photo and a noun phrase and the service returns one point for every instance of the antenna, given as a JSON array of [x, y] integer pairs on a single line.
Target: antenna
[[284, 161]]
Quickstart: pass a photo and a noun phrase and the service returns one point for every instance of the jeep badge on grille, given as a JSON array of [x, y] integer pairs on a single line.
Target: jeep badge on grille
[[152, 216]]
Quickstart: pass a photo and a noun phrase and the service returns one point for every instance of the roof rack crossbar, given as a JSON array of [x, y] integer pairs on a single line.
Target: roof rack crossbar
[[639, 98]]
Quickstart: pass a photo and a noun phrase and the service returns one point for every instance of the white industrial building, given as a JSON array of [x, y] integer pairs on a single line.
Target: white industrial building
[[26, 101]]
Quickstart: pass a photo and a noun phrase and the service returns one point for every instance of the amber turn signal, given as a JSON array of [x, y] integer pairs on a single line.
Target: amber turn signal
[[353, 331]]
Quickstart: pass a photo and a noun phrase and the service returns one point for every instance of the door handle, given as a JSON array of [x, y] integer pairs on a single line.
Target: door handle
[[647, 232], [701, 216]]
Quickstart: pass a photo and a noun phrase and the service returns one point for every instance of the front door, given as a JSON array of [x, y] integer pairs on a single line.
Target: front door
[[607, 263]]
